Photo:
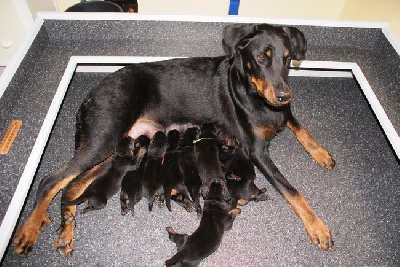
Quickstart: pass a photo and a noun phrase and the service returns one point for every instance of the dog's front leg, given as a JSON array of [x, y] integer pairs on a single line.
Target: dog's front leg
[[317, 152], [316, 229]]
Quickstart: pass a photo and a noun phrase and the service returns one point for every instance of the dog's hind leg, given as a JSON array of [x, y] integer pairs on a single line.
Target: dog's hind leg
[[64, 243], [30, 230]]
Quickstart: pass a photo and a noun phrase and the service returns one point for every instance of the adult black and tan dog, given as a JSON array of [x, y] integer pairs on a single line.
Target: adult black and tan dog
[[245, 91]]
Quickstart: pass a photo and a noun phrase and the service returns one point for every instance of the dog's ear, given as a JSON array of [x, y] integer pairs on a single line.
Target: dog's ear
[[233, 36], [297, 41]]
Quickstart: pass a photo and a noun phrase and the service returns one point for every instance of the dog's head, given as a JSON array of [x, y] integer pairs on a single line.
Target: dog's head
[[263, 54]]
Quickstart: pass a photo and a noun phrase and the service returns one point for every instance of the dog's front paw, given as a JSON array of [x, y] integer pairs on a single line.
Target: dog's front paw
[[319, 234], [323, 158], [27, 235]]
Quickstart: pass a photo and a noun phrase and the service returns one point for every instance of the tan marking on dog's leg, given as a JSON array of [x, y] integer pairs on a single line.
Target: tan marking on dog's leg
[[317, 152], [64, 244], [79, 185], [28, 233], [316, 229]]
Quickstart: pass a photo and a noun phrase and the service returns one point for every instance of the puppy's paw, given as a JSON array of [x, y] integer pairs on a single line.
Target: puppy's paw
[[235, 211]]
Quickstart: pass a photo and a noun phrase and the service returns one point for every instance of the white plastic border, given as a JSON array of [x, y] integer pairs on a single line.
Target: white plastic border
[[17, 201]]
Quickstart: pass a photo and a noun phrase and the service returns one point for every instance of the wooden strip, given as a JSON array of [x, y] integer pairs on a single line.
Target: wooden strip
[[9, 137]]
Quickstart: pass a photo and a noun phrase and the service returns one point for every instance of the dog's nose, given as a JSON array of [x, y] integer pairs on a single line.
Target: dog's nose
[[282, 97]]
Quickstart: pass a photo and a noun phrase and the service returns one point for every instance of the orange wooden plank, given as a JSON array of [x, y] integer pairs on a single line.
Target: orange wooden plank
[[10, 135]]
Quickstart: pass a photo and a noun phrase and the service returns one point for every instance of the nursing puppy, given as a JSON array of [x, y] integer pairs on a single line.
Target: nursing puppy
[[172, 176], [188, 166], [152, 181], [239, 174], [205, 240], [207, 149], [127, 157], [132, 190]]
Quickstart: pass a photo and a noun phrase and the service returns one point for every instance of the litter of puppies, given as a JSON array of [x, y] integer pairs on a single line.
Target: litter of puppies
[[186, 167]]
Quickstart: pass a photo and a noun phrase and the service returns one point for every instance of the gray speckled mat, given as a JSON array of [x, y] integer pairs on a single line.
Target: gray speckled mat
[[359, 200]]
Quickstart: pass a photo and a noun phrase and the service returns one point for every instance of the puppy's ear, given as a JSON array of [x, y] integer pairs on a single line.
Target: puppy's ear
[[233, 36], [297, 41]]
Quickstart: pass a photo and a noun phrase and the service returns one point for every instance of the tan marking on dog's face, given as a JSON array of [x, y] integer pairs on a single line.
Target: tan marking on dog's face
[[266, 132], [265, 90]]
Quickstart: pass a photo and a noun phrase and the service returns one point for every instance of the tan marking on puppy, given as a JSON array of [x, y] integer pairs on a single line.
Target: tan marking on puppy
[[242, 202], [174, 192]]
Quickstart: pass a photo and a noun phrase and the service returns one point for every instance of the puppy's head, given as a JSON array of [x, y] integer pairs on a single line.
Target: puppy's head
[[173, 137], [125, 147], [208, 130], [216, 190], [158, 145]]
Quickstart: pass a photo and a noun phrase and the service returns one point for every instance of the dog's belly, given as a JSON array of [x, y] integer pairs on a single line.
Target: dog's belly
[[148, 127]]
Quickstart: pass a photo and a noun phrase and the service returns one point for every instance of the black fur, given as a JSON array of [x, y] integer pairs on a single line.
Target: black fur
[[245, 91], [172, 176], [217, 218]]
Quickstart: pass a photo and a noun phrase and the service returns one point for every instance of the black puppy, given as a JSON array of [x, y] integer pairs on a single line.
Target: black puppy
[[132, 190], [206, 149], [172, 176], [188, 165], [127, 157], [152, 181], [217, 218], [239, 174]]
